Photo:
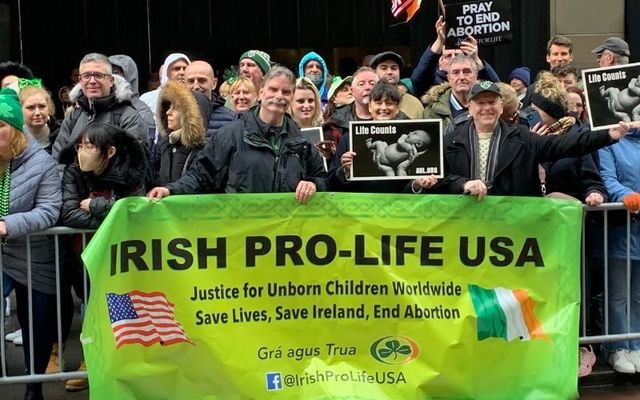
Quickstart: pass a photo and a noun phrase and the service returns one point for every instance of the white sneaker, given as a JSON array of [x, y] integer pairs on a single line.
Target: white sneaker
[[620, 362], [634, 358], [13, 335], [18, 341]]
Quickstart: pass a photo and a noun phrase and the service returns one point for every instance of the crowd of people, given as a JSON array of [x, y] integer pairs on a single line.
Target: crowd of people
[[523, 137]]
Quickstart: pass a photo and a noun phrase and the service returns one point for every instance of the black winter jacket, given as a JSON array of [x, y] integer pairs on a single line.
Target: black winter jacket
[[124, 177], [521, 151], [239, 159], [575, 176], [220, 115]]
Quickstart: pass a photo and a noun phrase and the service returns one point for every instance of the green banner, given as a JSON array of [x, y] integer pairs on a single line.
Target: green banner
[[351, 296]]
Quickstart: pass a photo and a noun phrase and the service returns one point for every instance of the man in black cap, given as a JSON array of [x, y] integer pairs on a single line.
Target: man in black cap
[[613, 51], [486, 155], [615, 103], [388, 66]]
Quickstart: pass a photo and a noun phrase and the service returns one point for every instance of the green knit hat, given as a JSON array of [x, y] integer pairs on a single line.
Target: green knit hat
[[10, 110], [259, 57]]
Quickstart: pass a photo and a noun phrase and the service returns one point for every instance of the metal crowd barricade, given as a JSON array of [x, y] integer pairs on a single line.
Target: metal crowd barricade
[[598, 219], [17, 377], [585, 338]]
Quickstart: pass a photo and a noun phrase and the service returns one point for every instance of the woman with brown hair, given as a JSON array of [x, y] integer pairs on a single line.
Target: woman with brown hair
[[578, 104]]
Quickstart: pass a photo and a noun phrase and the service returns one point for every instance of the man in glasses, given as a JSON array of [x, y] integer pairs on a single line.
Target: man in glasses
[[99, 99], [613, 51]]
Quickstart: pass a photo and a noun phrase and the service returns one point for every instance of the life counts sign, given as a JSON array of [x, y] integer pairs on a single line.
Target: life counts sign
[[489, 22], [613, 95]]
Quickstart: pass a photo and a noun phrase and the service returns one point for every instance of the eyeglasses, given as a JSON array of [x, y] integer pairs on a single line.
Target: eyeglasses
[[87, 147], [98, 76]]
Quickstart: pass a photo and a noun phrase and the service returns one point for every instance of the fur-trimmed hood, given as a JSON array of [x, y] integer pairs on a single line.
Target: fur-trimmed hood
[[434, 93], [175, 94], [121, 89]]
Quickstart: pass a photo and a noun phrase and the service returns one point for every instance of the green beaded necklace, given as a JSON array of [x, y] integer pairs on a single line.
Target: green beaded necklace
[[5, 187]]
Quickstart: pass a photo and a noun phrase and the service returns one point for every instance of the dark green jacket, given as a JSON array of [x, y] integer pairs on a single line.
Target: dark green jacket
[[239, 159]]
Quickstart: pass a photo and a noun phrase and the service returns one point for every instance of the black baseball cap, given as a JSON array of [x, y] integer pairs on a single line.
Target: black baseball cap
[[483, 87], [384, 56]]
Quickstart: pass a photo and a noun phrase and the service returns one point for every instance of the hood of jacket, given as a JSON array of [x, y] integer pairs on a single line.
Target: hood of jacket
[[171, 58], [434, 93], [312, 55], [120, 92], [175, 94], [130, 70]]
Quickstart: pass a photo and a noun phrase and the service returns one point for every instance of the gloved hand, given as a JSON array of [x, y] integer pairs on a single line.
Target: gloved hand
[[632, 202]]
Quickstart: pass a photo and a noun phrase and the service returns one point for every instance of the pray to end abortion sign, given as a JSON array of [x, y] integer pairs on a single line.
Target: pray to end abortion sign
[[489, 22]]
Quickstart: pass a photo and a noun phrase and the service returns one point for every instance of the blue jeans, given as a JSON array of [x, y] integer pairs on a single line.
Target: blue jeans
[[618, 302]]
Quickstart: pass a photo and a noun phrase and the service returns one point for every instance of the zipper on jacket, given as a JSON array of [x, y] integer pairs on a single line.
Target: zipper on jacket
[[275, 173]]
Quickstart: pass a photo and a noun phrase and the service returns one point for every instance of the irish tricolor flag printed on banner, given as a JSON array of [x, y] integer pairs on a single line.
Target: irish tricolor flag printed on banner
[[504, 313]]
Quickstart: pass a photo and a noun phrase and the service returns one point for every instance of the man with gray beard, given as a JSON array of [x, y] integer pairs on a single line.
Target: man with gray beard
[[262, 151]]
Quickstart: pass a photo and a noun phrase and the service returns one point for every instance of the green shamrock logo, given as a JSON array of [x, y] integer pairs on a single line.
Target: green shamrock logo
[[394, 350], [6, 111], [393, 347]]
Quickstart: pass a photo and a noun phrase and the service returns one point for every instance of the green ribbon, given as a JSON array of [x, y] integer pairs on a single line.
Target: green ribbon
[[35, 82]]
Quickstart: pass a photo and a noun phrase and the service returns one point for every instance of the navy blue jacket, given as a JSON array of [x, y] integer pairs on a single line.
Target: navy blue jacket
[[220, 115], [427, 73]]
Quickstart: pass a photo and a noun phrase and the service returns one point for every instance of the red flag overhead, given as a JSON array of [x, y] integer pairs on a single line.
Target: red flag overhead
[[403, 10]]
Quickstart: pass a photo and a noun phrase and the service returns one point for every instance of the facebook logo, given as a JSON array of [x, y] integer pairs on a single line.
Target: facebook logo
[[274, 381]]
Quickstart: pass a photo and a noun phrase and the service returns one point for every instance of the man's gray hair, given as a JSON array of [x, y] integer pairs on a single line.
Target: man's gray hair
[[98, 58], [619, 59], [463, 58], [363, 69], [277, 71]]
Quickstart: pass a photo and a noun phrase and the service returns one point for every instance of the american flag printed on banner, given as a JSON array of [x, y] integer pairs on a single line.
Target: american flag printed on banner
[[144, 318]]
